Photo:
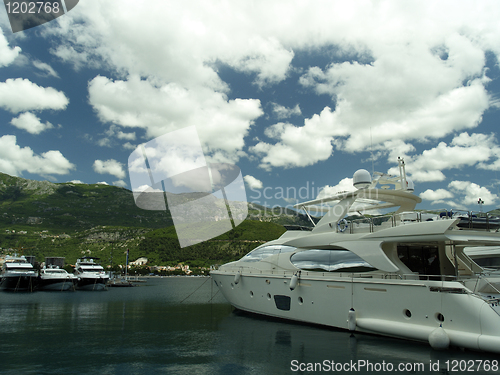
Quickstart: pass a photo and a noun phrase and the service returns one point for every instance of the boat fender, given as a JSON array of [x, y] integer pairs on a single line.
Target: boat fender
[[351, 320], [438, 339], [294, 281], [237, 277], [342, 225]]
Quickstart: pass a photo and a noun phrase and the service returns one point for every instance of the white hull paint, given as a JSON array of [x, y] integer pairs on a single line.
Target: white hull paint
[[380, 306], [406, 275]]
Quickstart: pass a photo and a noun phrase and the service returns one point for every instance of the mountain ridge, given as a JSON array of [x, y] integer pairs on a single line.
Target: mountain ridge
[[69, 219]]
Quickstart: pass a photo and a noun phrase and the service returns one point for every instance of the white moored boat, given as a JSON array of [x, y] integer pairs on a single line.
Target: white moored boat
[[55, 278], [18, 274], [405, 275], [90, 275]]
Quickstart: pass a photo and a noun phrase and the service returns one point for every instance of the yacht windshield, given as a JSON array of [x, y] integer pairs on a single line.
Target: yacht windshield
[[330, 260], [266, 251]]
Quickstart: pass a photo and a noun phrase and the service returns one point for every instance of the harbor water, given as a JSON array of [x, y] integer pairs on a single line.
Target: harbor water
[[182, 325]]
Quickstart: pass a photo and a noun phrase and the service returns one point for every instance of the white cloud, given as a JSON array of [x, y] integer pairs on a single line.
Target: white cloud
[[19, 95], [221, 124], [110, 166], [297, 146], [15, 160], [472, 192], [102, 183], [436, 195], [420, 71], [46, 68], [120, 183], [7, 55], [31, 123], [465, 195], [181, 43], [129, 146], [76, 182], [283, 112], [252, 182], [127, 136], [464, 150], [345, 185]]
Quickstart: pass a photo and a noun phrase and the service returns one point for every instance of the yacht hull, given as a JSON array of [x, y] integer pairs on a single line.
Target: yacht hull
[[19, 283], [56, 284], [89, 283], [407, 309]]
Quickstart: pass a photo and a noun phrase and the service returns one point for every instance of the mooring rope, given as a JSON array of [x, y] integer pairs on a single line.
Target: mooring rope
[[214, 295], [208, 278]]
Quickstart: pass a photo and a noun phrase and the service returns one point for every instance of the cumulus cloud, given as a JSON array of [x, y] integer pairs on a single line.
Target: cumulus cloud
[[120, 183], [252, 182], [464, 150], [221, 124], [175, 43], [31, 123], [297, 146], [7, 54], [465, 195], [19, 95], [111, 166], [413, 73], [436, 195], [15, 160], [472, 192], [345, 185], [282, 112]]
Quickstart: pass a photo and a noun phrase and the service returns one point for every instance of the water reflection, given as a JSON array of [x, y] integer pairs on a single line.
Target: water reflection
[[156, 329]]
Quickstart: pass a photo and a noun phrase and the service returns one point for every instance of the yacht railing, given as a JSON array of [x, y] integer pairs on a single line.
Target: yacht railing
[[468, 220]]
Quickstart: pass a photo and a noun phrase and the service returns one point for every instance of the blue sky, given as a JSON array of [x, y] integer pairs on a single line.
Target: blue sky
[[297, 94]]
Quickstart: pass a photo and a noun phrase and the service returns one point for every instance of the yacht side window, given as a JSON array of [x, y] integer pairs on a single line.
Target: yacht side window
[[330, 260], [267, 251]]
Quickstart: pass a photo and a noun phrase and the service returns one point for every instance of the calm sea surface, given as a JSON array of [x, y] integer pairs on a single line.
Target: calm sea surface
[[180, 325]]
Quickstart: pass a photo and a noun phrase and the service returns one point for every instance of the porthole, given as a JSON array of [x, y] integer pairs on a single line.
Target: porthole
[[407, 313], [269, 296], [301, 301], [232, 286], [439, 317], [268, 282], [251, 294]]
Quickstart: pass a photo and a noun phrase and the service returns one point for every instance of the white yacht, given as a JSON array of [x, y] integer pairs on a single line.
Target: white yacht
[[90, 274], [55, 278], [403, 275], [18, 274]]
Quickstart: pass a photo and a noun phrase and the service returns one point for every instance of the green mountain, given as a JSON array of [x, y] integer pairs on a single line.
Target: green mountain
[[28, 204], [71, 220]]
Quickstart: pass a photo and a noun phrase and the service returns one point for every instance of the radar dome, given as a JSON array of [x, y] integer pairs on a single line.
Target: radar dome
[[361, 179]]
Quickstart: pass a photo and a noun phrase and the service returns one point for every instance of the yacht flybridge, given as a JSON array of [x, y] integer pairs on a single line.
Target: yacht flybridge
[[402, 275]]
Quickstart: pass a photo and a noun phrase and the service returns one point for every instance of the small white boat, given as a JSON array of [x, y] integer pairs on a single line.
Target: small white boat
[[55, 278], [404, 275], [18, 274], [90, 274]]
